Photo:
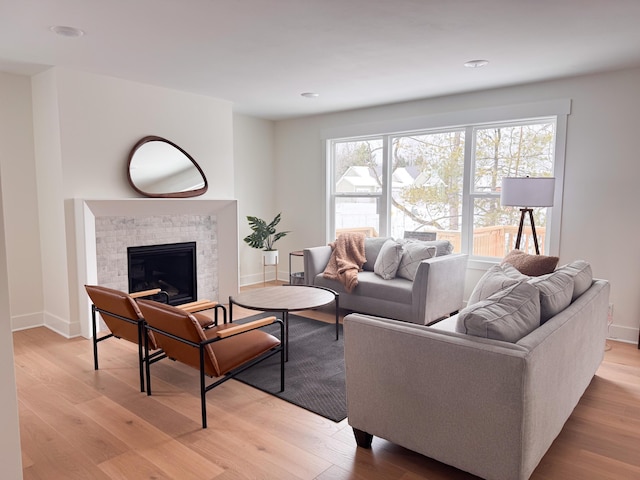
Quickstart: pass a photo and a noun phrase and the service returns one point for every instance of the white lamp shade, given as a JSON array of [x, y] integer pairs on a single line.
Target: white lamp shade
[[527, 191]]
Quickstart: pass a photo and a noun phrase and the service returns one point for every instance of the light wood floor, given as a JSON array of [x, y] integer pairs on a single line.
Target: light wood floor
[[80, 424]]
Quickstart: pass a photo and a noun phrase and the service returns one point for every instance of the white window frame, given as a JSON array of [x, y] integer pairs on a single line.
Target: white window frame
[[557, 110]]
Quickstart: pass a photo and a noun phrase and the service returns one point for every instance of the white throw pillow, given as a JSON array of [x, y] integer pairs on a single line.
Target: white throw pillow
[[507, 315], [388, 260], [412, 254], [372, 246]]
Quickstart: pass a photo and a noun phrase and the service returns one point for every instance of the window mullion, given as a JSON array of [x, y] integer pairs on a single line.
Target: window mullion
[[385, 201], [466, 233]]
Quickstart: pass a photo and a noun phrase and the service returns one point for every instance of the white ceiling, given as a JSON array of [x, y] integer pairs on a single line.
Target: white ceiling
[[262, 54]]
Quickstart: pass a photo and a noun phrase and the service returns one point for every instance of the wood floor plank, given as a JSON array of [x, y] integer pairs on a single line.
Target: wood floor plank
[[263, 448], [78, 423], [52, 456], [81, 430], [132, 465], [118, 420], [170, 459]]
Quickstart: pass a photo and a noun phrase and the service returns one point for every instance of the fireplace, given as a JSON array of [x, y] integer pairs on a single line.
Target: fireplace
[[170, 267]]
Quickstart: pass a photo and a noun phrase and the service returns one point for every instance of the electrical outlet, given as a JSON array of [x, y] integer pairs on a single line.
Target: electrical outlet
[[610, 314]]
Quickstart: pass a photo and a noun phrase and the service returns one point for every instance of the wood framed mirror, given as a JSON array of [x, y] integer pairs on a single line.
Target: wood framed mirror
[[159, 168]]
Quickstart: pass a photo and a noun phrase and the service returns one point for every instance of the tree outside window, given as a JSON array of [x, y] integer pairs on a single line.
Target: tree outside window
[[391, 184]]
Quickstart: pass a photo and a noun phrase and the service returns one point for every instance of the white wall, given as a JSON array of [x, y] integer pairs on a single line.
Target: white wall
[[10, 456], [255, 187], [602, 163], [21, 220], [84, 128], [16, 145]]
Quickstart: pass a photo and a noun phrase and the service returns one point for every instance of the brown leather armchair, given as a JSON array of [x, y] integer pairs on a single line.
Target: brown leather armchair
[[217, 351], [123, 318]]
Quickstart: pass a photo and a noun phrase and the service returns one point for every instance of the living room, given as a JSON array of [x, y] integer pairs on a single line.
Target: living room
[[65, 135]]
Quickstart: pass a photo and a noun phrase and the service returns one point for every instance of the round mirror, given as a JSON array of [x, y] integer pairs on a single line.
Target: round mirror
[[160, 168]]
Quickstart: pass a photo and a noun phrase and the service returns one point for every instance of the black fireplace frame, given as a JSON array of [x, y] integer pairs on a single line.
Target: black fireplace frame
[[137, 284]]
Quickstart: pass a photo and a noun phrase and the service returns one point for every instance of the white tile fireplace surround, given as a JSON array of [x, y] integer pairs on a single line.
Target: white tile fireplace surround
[[115, 234], [105, 228]]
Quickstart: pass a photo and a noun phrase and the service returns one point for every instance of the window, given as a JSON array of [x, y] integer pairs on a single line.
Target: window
[[513, 150], [445, 181]]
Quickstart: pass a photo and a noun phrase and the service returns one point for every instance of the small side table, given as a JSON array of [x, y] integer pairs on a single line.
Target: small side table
[[264, 270], [296, 253]]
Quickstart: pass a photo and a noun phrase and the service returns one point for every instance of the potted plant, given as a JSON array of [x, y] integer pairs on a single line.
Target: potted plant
[[264, 235]]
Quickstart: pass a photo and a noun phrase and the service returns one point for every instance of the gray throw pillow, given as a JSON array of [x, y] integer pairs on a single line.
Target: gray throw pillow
[[556, 290], [388, 260], [494, 280], [507, 315], [372, 246], [443, 247], [582, 276], [412, 254], [514, 273]]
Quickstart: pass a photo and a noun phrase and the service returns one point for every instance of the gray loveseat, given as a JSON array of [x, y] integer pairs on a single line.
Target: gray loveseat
[[436, 291], [489, 407]]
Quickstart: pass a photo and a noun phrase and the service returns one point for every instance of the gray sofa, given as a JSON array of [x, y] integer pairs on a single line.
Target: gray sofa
[[436, 291], [489, 407]]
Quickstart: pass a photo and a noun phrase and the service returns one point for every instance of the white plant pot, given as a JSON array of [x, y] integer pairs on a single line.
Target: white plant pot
[[270, 257]]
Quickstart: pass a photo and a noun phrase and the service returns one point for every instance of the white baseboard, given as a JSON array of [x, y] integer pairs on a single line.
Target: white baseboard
[[255, 278], [623, 334], [24, 322], [62, 326], [44, 319]]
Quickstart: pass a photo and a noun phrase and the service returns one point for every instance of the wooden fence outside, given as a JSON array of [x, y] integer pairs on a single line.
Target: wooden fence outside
[[494, 241]]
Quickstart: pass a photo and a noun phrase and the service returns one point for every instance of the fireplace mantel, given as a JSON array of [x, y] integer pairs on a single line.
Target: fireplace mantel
[[87, 210]]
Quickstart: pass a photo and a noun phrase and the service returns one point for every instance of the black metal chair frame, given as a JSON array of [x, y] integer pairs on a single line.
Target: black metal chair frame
[[159, 355], [201, 346], [139, 325]]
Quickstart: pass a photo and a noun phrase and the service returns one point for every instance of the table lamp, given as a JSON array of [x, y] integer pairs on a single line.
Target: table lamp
[[527, 192]]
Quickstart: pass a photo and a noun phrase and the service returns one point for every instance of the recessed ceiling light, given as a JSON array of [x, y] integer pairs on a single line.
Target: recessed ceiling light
[[71, 32], [310, 95], [476, 63]]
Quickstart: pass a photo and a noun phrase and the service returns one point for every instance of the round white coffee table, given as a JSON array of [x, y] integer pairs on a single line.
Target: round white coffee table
[[285, 299]]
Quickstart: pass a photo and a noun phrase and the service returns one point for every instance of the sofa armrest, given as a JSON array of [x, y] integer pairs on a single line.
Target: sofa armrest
[[315, 261], [447, 396], [438, 288]]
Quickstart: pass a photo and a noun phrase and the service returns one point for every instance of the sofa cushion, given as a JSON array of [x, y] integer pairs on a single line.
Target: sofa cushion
[[532, 265], [494, 280], [507, 315], [388, 260], [582, 276], [372, 246], [370, 285], [556, 291], [398, 290], [412, 254]]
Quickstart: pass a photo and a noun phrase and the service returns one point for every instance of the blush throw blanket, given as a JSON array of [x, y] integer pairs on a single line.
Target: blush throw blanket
[[347, 259]]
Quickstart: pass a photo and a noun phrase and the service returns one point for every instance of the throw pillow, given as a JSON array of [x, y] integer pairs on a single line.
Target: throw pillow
[[412, 254], [582, 276], [494, 280], [372, 246], [443, 247], [388, 260], [507, 315], [556, 290], [514, 273], [532, 265]]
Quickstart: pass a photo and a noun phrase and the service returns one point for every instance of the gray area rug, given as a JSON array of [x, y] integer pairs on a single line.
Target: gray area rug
[[314, 375]]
